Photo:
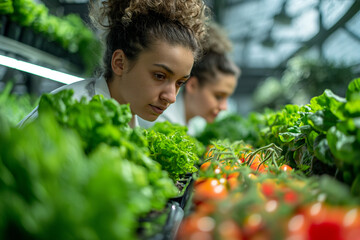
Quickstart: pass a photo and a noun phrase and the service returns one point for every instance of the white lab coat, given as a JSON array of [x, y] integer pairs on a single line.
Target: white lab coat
[[175, 114], [87, 88]]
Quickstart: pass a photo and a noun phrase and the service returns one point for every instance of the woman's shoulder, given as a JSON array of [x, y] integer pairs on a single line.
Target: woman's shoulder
[[75, 85], [81, 88]]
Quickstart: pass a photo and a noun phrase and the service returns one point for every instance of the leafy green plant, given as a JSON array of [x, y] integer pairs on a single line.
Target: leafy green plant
[[47, 183], [173, 148], [6, 7], [80, 168], [41, 14], [68, 31], [101, 121], [74, 36], [22, 10], [97, 121], [14, 107]]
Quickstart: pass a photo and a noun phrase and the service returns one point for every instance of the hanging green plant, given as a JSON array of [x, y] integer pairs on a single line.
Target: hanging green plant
[[6, 7]]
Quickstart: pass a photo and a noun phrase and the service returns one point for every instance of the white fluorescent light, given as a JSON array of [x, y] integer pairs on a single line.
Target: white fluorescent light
[[38, 70]]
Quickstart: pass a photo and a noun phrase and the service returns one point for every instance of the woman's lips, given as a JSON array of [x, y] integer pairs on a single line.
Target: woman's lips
[[213, 116], [157, 110]]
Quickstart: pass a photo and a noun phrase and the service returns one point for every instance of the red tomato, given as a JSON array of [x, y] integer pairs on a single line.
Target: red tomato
[[242, 157], [206, 208], [256, 165], [254, 227], [325, 230], [351, 223], [297, 227], [196, 226], [319, 221], [233, 183], [210, 189], [205, 166], [268, 188], [231, 172], [233, 175], [209, 151], [290, 197], [285, 168], [229, 230]]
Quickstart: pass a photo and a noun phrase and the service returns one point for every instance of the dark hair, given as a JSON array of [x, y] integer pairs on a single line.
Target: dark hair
[[216, 45], [206, 69], [134, 26]]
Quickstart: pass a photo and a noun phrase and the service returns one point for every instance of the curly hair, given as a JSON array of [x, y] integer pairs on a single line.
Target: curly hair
[[133, 25], [216, 40], [216, 46]]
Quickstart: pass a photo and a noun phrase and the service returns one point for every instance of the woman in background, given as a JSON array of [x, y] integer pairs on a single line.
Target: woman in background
[[213, 80], [150, 48]]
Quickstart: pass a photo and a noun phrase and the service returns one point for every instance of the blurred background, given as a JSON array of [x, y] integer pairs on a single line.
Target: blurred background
[[288, 50]]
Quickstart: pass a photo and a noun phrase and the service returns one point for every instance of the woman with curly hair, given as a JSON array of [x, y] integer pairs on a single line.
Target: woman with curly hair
[[150, 48], [213, 80]]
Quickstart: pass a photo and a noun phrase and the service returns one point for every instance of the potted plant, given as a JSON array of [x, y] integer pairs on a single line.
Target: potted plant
[[6, 8]]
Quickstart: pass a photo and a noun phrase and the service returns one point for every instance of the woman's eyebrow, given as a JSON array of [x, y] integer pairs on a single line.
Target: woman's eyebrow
[[169, 70], [164, 67], [187, 77]]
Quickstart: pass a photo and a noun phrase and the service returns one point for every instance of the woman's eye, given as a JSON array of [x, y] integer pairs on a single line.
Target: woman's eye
[[159, 76], [219, 97], [180, 83]]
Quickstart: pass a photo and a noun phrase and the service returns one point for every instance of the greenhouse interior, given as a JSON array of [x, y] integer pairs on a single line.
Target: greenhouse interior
[[260, 141]]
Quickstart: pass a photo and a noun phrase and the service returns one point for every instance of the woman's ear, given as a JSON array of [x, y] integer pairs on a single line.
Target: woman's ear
[[118, 62], [192, 85]]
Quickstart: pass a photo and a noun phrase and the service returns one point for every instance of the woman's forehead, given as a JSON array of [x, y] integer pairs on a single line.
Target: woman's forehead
[[220, 80], [172, 56]]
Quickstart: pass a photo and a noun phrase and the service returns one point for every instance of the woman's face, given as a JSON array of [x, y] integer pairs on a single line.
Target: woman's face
[[151, 83], [207, 101]]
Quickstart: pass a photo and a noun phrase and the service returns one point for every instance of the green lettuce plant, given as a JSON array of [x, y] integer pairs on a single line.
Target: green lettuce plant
[[6, 7]]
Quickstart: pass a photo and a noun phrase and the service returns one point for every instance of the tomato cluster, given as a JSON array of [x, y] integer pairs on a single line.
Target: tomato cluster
[[321, 221], [248, 196]]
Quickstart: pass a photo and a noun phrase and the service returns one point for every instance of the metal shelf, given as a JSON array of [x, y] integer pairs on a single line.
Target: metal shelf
[[36, 56]]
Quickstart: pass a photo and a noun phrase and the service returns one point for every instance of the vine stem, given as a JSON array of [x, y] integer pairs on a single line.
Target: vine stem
[[270, 151]]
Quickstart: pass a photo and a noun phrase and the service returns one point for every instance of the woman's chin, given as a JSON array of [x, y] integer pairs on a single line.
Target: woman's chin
[[149, 117], [210, 119]]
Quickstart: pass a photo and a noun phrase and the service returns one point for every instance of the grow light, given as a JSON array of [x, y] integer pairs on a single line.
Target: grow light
[[38, 70]]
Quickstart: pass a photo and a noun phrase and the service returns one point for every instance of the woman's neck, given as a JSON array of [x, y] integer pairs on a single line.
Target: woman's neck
[[132, 122], [187, 105]]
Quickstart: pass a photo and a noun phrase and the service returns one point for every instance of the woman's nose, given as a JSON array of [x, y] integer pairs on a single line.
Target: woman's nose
[[223, 105], [169, 93]]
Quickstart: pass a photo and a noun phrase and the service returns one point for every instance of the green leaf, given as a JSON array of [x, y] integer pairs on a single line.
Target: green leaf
[[343, 147], [352, 108], [292, 109], [306, 129], [353, 90], [350, 126], [322, 150], [322, 120], [292, 134], [329, 100], [310, 139], [355, 186]]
